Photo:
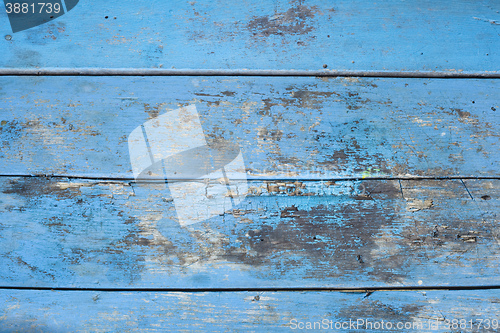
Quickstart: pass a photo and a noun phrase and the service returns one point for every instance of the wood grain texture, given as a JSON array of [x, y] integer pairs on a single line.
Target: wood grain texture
[[334, 200], [361, 234], [85, 311], [344, 35], [311, 128]]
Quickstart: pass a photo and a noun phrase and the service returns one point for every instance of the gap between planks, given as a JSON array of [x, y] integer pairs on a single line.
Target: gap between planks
[[243, 72], [263, 289], [128, 179]]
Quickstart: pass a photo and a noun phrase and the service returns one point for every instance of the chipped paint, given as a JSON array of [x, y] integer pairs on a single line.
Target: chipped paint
[[414, 205], [286, 128], [131, 229], [293, 21]]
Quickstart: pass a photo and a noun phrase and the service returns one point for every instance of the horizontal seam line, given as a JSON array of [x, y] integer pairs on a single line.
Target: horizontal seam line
[[270, 289], [218, 72], [125, 179]]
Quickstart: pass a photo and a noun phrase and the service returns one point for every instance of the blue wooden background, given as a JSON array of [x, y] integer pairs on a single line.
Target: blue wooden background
[[372, 198]]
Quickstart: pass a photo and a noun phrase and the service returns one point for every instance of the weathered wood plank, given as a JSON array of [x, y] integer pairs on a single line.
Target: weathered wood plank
[[384, 311], [466, 222], [384, 35], [481, 193], [81, 233], [309, 128]]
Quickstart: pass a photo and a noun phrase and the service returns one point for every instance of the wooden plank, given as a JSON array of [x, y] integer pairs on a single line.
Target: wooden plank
[[83, 233], [311, 128], [408, 311], [482, 193], [431, 232], [384, 35]]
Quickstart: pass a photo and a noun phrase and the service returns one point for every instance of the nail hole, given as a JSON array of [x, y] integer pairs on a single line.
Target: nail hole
[[105, 17], [486, 197]]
